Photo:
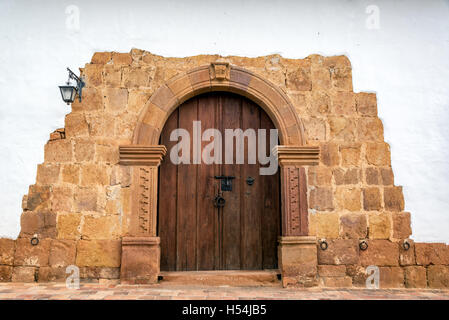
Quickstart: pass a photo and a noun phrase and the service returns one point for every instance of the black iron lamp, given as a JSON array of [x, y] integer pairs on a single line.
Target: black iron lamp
[[68, 92]]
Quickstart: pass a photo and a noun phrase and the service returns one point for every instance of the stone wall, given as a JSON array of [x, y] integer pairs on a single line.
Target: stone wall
[[79, 207]]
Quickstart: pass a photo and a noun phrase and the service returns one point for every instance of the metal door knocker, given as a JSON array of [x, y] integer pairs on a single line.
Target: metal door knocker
[[250, 181], [219, 201]]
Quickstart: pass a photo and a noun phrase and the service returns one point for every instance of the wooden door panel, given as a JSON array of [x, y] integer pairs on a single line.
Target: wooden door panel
[[194, 234]]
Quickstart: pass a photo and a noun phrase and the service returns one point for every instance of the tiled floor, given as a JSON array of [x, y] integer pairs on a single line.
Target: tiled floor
[[99, 291]]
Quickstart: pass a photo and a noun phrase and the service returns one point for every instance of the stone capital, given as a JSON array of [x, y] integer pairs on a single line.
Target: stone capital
[[288, 155], [139, 155]]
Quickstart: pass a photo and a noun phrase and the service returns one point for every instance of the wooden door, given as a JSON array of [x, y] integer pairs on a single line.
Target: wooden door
[[195, 234]]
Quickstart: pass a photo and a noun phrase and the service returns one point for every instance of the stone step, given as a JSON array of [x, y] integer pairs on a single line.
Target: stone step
[[232, 278]]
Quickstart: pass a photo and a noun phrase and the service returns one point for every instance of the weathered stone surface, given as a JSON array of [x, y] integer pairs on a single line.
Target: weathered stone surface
[[69, 226], [115, 100], [299, 78], [438, 276], [378, 154], [47, 174], [329, 154], [393, 198], [372, 176], [107, 153], [431, 253], [342, 129], [101, 125], [371, 199], [92, 101], [350, 155], [387, 176], [7, 248], [380, 253], [320, 103], [353, 226], [84, 150], [99, 273], [28, 255], [112, 76], [38, 198], [62, 199], [321, 199], [121, 58], [339, 252], [319, 176], [346, 176], [379, 225], [98, 253], [5, 273], [366, 104], [41, 223], [331, 271], [391, 277], [23, 274], [94, 174], [62, 253], [85, 199], [137, 99], [358, 275], [407, 257], [52, 274], [58, 151], [415, 277], [320, 73], [101, 227], [93, 74], [315, 129], [348, 198], [71, 173], [370, 129], [343, 104], [324, 225], [101, 57], [401, 225], [76, 125]]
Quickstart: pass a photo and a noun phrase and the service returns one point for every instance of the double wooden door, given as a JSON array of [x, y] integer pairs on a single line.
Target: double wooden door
[[198, 234]]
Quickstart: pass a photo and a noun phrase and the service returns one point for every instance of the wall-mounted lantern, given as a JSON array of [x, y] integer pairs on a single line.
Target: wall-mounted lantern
[[68, 92]]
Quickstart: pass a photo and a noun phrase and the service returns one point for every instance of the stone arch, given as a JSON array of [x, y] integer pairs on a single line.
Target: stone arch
[[218, 76]]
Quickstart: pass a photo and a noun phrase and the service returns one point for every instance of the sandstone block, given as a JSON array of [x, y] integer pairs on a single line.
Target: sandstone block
[[348, 198], [320, 104], [393, 198], [415, 277], [331, 271], [378, 154], [431, 253], [379, 225], [86, 199], [329, 154], [358, 275], [28, 255], [342, 78], [52, 274], [387, 176], [58, 151], [401, 225], [102, 227], [315, 129], [391, 277], [99, 273], [342, 128], [93, 74], [319, 176], [137, 99], [7, 248], [299, 78], [47, 174], [112, 76], [320, 73], [346, 176], [343, 104], [353, 226], [115, 99], [23, 274], [324, 225], [71, 173], [350, 155], [68, 226], [101, 125], [339, 252], [107, 153], [38, 198], [370, 129], [121, 58], [336, 282], [407, 257], [438, 276], [371, 199], [92, 101], [42, 223], [321, 199], [84, 150], [366, 104], [94, 174], [101, 57], [5, 273], [62, 253], [372, 176], [98, 253], [380, 253]]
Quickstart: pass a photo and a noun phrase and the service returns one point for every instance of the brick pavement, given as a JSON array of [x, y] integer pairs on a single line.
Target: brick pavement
[[30, 291]]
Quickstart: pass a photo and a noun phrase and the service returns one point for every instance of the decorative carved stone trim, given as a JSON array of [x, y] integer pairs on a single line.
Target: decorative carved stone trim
[[297, 155], [140, 241], [294, 201], [220, 71], [142, 155], [292, 240]]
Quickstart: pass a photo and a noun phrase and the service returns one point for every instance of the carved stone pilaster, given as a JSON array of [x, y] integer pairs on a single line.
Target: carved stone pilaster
[[291, 159], [145, 161]]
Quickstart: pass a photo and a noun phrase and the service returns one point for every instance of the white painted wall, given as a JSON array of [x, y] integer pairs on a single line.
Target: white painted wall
[[406, 61]]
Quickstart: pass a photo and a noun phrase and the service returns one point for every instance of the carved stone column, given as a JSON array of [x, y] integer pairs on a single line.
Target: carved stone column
[[297, 250], [140, 249]]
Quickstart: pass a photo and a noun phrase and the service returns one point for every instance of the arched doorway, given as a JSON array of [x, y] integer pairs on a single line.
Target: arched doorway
[[196, 233]]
